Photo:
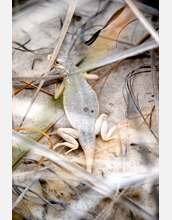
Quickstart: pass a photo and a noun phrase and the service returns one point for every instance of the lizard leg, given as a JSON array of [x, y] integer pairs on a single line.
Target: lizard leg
[[58, 90], [69, 135], [101, 126], [90, 76]]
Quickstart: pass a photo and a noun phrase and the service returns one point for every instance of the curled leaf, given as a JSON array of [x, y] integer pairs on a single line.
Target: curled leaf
[[113, 17]]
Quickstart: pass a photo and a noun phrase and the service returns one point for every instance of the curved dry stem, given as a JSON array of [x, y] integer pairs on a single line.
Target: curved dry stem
[[37, 130], [34, 129]]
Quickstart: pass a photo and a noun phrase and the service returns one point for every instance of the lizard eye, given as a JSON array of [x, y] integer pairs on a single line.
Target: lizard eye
[[57, 62]]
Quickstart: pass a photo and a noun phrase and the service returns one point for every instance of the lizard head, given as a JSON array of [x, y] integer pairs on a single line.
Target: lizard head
[[63, 64]]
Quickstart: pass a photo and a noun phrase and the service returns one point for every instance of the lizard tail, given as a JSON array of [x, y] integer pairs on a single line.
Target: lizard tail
[[89, 154]]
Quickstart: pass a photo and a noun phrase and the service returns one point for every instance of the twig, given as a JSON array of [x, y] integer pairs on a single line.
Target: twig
[[34, 87]]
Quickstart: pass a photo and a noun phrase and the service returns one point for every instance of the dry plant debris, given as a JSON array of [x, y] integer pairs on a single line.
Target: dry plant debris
[[118, 41]]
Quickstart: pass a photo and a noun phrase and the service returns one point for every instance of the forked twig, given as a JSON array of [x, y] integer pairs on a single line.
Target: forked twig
[[32, 86]]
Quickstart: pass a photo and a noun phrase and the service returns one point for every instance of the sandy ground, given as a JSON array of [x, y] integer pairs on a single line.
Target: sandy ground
[[119, 157]]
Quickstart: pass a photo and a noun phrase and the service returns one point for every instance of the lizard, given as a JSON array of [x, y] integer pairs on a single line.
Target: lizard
[[82, 110]]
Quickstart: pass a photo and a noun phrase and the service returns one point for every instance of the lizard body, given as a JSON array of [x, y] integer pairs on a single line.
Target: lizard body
[[82, 110]]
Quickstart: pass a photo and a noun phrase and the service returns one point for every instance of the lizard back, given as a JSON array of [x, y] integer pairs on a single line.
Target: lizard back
[[81, 108]]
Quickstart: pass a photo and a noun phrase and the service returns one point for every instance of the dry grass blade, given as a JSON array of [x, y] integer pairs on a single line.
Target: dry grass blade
[[61, 161], [75, 191], [19, 78], [133, 107], [147, 8], [155, 81], [118, 63], [124, 181], [104, 213], [136, 208], [24, 192], [146, 24], [36, 200], [59, 178], [119, 57], [139, 179], [24, 49], [85, 177], [24, 6], [123, 55], [56, 111], [63, 32]]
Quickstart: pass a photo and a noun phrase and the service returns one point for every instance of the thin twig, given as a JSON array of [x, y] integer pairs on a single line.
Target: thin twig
[[146, 24], [19, 90], [35, 87], [26, 189], [55, 52]]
